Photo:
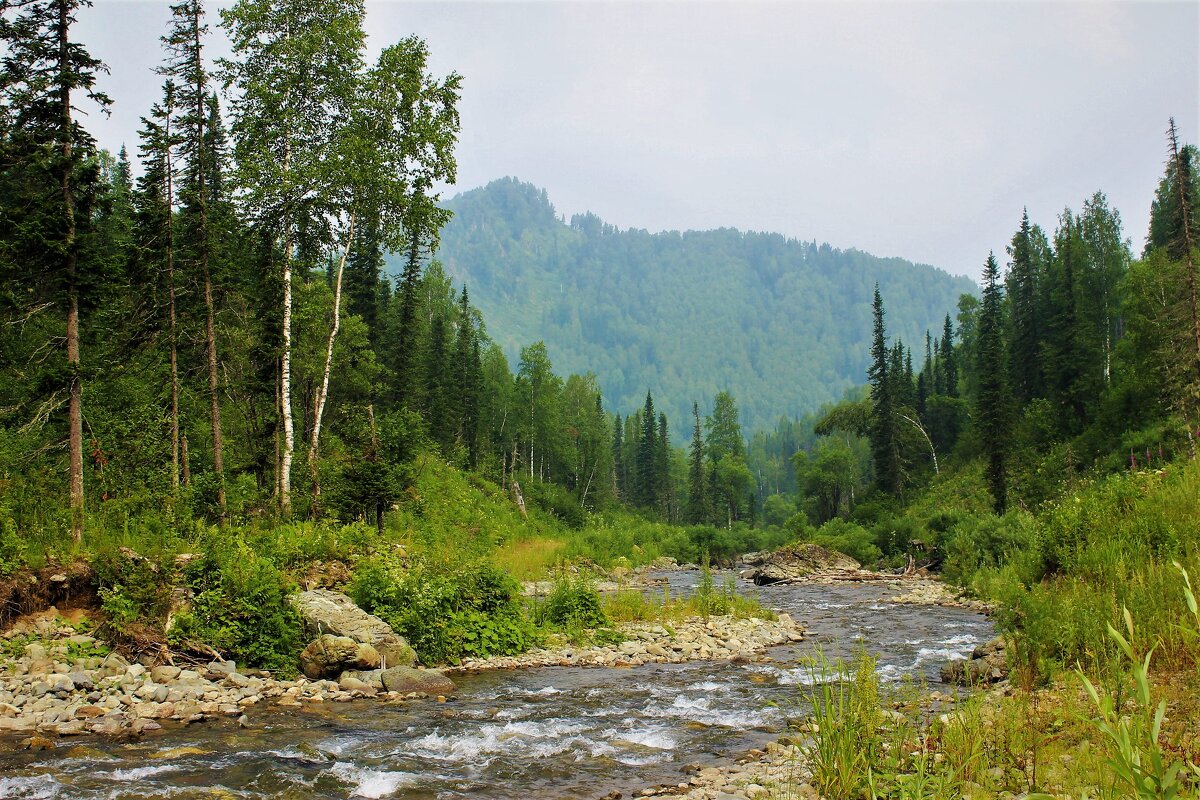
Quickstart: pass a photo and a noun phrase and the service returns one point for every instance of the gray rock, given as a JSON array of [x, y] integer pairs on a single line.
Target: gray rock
[[988, 664], [164, 673], [82, 680], [326, 612], [372, 678], [407, 679], [328, 656], [113, 665]]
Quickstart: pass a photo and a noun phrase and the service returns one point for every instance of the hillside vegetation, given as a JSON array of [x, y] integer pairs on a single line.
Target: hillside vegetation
[[781, 323]]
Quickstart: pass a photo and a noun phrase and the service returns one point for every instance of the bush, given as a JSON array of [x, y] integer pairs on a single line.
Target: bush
[[132, 587], [557, 501], [850, 538], [572, 605], [447, 612], [12, 549], [240, 608]]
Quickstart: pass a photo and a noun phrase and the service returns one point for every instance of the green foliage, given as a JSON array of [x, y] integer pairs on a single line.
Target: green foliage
[[1140, 764], [845, 723], [507, 242], [133, 587], [850, 538], [573, 604], [447, 612], [12, 549], [239, 606]]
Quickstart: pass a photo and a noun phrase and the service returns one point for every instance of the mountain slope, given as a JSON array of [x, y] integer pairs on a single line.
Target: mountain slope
[[783, 324]]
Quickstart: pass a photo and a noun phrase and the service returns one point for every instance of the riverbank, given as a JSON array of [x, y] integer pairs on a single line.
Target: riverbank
[[60, 682], [713, 638]]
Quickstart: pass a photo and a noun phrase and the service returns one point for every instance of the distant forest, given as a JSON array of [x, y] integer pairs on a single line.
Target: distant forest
[[782, 324]]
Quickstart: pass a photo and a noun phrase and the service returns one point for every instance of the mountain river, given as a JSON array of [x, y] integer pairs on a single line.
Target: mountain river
[[559, 732]]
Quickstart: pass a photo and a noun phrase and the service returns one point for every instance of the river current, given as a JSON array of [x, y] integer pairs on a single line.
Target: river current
[[559, 732]]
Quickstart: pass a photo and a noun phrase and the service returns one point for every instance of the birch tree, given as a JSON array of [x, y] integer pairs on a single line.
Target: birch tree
[[294, 76]]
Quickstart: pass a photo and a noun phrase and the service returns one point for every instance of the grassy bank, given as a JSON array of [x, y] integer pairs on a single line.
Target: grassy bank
[[444, 570]]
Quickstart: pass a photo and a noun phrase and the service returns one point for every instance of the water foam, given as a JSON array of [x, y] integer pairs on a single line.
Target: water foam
[[36, 787], [371, 783]]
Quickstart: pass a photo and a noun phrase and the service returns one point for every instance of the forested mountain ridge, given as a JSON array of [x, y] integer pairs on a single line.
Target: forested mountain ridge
[[780, 322]]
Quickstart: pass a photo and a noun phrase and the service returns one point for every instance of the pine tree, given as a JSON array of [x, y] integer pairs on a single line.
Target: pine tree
[[948, 360], [466, 379], [884, 450], [1025, 328], [438, 414], [646, 492], [620, 488], [992, 404], [664, 496], [699, 509], [44, 72]]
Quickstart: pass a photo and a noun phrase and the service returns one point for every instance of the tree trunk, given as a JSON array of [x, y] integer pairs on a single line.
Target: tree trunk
[[184, 463], [323, 390], [171, 320], [75, 404], [285, 386], [214, 398]]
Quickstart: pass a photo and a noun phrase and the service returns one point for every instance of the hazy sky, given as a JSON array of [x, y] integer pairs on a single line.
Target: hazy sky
[[903, 129]]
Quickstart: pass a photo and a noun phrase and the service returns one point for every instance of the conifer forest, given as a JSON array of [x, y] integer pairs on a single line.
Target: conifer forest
[[322, 476]]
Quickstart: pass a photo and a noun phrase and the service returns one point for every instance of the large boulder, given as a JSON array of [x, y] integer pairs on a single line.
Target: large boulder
[[988, 664], [323, 611], [329, 656], [407, 679], [800, 561]]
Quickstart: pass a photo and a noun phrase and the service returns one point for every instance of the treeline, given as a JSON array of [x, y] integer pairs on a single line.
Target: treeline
[[175, 342], [1076, 354]]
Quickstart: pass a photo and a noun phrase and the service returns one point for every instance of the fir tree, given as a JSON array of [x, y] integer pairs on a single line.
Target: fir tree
[[699, 508], [44, 73], [992, 404], [884, 451], [646, 491], [1025, 328]]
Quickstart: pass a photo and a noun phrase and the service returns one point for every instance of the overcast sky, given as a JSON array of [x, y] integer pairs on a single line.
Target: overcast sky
[[917, 130]]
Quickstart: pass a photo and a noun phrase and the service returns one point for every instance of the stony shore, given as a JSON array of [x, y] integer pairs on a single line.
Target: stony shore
[[59, 684], [712, 638], [778, 771]]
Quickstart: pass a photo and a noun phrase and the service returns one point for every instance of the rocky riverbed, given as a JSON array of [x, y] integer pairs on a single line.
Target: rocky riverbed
[[691, 639], [50, 689], [697, 728]]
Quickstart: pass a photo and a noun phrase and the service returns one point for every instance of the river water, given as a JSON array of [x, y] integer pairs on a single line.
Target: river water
[[559, 732]]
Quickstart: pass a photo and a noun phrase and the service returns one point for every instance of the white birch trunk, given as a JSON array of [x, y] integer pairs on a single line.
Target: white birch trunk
[[323, 391]]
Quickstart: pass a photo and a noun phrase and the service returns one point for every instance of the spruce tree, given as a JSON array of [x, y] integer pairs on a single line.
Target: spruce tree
[[664, 497], [44, 73], [699, 509], [1025, 319], [618, 459], [884, 451], [646, 493], [992, 404]]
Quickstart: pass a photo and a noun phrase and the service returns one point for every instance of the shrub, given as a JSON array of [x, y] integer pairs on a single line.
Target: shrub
[[850, 538], [572, 605], [239, 607], [132, 587], [447, 612]]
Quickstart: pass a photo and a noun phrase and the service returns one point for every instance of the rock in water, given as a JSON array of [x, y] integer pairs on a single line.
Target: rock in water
[[407, 679], [988, 664], [799, 561], [323, 611], [329, 656]]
